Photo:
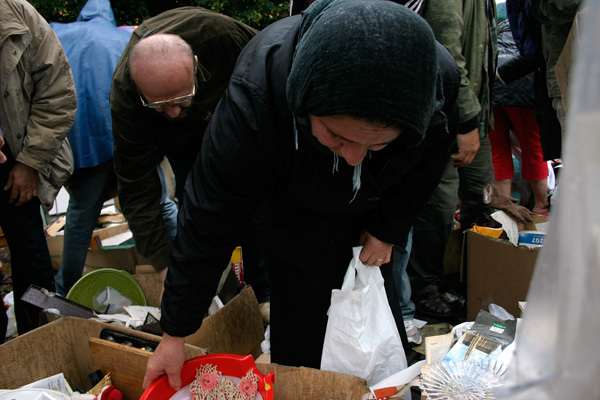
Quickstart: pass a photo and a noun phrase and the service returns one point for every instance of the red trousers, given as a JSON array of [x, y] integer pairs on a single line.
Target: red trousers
[[522, 121]]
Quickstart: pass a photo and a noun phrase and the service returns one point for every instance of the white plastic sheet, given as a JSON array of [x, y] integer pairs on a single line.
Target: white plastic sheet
[[557, 349]]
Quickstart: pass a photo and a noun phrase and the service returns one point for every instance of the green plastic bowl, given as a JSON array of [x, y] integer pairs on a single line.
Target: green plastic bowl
[[89, 285]]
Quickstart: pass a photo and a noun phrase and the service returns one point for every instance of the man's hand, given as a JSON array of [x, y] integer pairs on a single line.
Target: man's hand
[[167, 359], [23, 180], [468, 144], [374, 251], [2, 155]]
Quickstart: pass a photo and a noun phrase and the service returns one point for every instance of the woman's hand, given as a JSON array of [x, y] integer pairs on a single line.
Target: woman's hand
[[374, 251]]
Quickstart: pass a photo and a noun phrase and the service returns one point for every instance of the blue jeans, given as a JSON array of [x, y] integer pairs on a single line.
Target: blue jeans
[[88, 190], [400, 256], [168, 207]]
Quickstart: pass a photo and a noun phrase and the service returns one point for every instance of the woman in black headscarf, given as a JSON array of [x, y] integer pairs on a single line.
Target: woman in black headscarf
[[334, 129]]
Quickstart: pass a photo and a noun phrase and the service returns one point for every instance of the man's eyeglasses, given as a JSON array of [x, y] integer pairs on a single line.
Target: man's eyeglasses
[[164, 103]]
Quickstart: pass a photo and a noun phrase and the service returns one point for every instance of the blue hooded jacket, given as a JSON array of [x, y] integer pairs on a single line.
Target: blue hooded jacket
[[93, 44]]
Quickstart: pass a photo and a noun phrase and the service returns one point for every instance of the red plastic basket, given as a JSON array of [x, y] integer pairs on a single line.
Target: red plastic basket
[[228, 364]]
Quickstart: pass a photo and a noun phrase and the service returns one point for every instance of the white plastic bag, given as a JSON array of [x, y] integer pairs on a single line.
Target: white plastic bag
[[361, 337]]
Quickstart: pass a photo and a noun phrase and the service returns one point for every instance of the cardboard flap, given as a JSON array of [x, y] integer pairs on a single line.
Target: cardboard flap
[[293, 383], [498, 272], [125, 364], [220, 332]]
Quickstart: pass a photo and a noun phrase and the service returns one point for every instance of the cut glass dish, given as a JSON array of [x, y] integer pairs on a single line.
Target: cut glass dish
[[461, 380]]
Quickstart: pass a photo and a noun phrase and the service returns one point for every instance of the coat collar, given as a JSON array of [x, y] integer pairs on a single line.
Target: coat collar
[[11, 22]]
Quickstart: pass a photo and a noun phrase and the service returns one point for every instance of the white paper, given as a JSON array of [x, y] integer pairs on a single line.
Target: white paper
[[400, 378], [436, 347], [117, 239], [419, 323], [56, 382], [509, 225], [140, 312], [110, 210]]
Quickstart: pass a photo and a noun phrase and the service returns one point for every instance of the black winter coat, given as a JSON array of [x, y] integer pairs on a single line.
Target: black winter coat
[[304, 213]]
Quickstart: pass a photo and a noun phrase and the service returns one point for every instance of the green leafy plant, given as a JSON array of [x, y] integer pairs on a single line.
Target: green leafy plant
[[256, 13]]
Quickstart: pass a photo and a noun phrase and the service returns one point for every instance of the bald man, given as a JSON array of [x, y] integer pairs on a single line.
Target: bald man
[[165, 88]]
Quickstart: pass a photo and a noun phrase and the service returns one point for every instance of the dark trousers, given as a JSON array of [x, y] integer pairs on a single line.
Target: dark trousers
[[30, 260], [307, 255]]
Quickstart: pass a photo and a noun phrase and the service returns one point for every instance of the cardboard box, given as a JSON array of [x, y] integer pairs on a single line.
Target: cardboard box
[[63, 346], [72, 346], [55, 247], [298, 383], [124, 257], [497, 271]]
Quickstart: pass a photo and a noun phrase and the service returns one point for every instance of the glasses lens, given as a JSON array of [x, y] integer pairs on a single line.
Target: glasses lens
[[182, 100], [179, 100]]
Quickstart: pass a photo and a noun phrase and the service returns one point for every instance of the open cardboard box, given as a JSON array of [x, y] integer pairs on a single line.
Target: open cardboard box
[[124, 257], [497, 271], [64, 346], [72, 346]]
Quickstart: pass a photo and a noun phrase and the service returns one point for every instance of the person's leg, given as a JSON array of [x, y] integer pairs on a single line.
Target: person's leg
[[473, 178], [501, 151], [431, 231], [534, 168], [504, 187], [400, 257], [88, 190], [30, 259], [561, 115], [430, 234], [393, 294]]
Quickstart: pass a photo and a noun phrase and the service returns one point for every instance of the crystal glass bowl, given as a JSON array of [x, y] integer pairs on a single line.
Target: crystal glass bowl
[[461, 380]]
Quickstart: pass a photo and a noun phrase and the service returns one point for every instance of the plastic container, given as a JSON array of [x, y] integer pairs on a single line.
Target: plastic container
[[229, 365], [531, 238]]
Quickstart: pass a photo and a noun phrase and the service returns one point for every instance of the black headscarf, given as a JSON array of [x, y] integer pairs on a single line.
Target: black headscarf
[[367, 58]]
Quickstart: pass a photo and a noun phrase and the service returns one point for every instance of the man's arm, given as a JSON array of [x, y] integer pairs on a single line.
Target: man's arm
[[447, 22], [135, 162], [52, 110]]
